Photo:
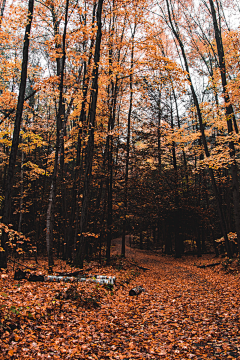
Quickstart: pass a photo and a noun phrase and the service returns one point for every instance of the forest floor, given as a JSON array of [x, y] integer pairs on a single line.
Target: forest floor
[[186, 312]]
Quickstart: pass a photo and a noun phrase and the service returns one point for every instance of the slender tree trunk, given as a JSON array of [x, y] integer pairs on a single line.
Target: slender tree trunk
[[113, 90], [73, 227], [198, 240], [63, 216], [231, 120], [59, 141], [109, 147], [179, 126], [21, 197], [141, 240], [204, 141], [2, 11], [15, 140], [102, 230], [159, 133], [90, 144], [228, 200], [128, 145], [178, 245], [108, 155], [75, 194], [110, 195]]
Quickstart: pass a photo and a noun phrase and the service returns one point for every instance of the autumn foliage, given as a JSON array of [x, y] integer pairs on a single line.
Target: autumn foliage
[[119, 118], [185, 312]]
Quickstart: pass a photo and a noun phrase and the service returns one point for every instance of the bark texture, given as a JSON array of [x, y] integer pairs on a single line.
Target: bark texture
[[231, 121], [15, 140], [90, 144], [59, 139], [203, 137]]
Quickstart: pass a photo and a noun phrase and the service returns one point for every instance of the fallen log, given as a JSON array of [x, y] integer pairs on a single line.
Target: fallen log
[[140, 267], [57, 278], [74, 273], [34, 277], [19, 274], [136, 291], [208, 265], [100, 279], [143, 268]]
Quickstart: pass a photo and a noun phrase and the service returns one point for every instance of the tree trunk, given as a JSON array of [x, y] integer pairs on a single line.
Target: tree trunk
[[230, 117], [15, 140], [73, 227], [21, 197], [110, 195], [90, 144], [178, 246], [63, 217], [109, 149], [179, 126], [59, 141], [112, 93], [2, 11], [204, 141], [141, 240], [128, 147], [159, 133]]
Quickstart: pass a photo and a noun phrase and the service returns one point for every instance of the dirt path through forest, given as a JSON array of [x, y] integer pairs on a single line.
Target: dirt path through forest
[[185, 313]]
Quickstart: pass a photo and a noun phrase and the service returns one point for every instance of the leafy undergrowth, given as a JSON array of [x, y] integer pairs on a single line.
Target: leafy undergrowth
[[185, 313]]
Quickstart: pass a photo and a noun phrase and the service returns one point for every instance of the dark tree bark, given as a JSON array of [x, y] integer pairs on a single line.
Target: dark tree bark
[[179, 126], [2, 11], [203, 137], [159, 134], [128, 145], [113, 90], [178, 245], [63, 215], [109, 146], [59, 140], [21, 196], [15, 141], [110, 195], [73, 227], [141, 240], [231, 120], [90, 144]]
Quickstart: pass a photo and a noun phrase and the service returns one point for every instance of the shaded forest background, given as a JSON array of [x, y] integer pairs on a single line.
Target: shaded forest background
[[119, 117]]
